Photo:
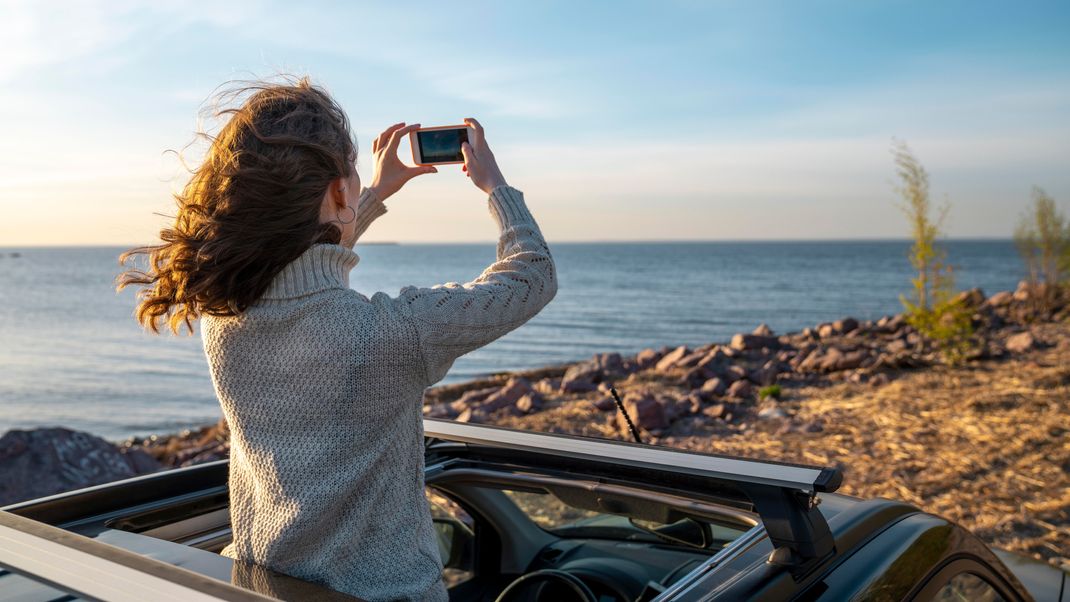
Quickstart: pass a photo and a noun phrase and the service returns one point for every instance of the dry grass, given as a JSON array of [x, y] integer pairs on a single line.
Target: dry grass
[[986, 445]]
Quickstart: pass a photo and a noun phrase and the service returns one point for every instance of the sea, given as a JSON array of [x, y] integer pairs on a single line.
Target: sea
[[72, 355]]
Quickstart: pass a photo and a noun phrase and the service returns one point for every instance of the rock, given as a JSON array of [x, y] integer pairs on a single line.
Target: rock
[[715, 360], [714, 387], [747, 342], [647, 358], [1000, 299], [845, 326], [694, 403], [734, 372], [580, 378], [529, 403], [646, 413], [809, 333], [772, 413], [1021, 342], [605, 404], [473, 415], [972, 298], [741, 389], [825, 330], [471, 398], [896, 346], [1022, 293], [787, 355], [836, 360], [763, 330], [695, 377], [879, 380], [668, 361], [766, 375], [508, 395], [440, 410], [609, 364], [692, 359], [39, 462], [547, 386], [714, 411]]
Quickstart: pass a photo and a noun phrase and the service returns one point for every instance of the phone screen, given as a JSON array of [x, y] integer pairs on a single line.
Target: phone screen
[[442, 146]]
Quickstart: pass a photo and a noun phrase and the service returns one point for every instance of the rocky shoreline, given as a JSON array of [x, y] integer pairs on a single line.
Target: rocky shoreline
[[873, 397]]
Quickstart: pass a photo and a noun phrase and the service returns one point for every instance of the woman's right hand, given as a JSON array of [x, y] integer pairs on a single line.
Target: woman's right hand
[[479, 162]]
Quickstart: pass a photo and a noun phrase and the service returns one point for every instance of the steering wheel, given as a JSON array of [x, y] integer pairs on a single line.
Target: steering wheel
[[545, 576]]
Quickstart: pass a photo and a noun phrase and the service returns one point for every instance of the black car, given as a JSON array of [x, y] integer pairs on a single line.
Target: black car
[[532, 516]]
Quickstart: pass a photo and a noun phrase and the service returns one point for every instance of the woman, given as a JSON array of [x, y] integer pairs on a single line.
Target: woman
[[322, 386]]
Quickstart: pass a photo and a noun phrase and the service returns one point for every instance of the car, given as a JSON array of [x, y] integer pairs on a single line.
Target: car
[[525, 516]]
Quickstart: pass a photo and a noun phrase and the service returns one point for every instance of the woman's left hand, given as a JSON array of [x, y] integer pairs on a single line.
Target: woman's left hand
[[390, 173]]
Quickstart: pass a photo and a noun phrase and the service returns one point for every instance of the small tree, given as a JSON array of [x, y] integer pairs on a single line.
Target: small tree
[[932, 308], [1043, 240]]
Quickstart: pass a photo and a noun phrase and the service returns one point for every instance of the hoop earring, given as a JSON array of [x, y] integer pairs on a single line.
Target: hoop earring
[[350, 220]]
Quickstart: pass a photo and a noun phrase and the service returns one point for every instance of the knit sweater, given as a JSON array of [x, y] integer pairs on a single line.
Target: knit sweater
[[322, 388]]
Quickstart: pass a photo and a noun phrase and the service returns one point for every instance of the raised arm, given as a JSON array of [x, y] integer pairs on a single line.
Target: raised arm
[[452, 319]]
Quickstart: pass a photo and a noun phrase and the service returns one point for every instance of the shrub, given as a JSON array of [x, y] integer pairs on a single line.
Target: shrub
[[931, 308], [769, 391], [1043, 240]]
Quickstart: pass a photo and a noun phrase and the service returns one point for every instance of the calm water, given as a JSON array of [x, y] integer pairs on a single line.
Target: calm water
[[72, 355]]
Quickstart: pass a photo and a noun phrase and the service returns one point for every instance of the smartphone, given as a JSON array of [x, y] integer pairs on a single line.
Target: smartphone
[[438, 145]]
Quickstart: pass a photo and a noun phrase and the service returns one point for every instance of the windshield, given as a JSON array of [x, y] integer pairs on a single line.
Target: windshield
[[563, 520]]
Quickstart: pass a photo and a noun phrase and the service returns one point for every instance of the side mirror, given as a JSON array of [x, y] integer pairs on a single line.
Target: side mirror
[[455, 543]]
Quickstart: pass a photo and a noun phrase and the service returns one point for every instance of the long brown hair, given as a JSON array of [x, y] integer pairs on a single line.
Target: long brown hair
[[250, 208]]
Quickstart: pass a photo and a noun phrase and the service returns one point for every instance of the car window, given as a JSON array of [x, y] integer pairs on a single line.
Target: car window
[[563, 520], [967, 586], [443, 507]]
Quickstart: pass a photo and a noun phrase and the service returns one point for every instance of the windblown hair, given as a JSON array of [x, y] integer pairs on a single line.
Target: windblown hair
[[250, 208]]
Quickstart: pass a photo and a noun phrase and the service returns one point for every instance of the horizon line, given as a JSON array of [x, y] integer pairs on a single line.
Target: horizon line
[[574, 241]]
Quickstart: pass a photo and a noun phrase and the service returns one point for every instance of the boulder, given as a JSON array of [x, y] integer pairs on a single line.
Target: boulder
[[763, 330], [714, 387], [529, 403], [647, 358], [508, 395], [609, 364], [972, 298], [836, 359], [44, 461], [473, 415], [471, 398], [1021, 342], [691, 359], [646, 413], [734, 372], [825, 330], [845, 326], [766, 375], [748, 342], [714, 411], [740, 389], [668, 361], [580, 378], [715, 360], [772, 413], [605, 404], [1000, 299]]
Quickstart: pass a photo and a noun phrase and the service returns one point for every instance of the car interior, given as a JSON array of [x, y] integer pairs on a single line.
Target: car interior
[[505, 534]]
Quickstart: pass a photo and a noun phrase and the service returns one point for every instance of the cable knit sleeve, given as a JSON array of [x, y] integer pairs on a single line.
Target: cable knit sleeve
[[369, 207], [452, 319]]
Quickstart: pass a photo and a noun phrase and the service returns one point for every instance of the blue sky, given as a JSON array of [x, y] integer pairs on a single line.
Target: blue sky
[[619, 120]]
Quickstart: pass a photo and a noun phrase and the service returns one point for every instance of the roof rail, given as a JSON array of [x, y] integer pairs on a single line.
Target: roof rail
[[784, 495]]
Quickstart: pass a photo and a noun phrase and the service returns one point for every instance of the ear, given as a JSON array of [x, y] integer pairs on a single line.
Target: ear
[[336, 192]]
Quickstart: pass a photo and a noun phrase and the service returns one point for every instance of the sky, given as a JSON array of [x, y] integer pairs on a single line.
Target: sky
[[667, 120]]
